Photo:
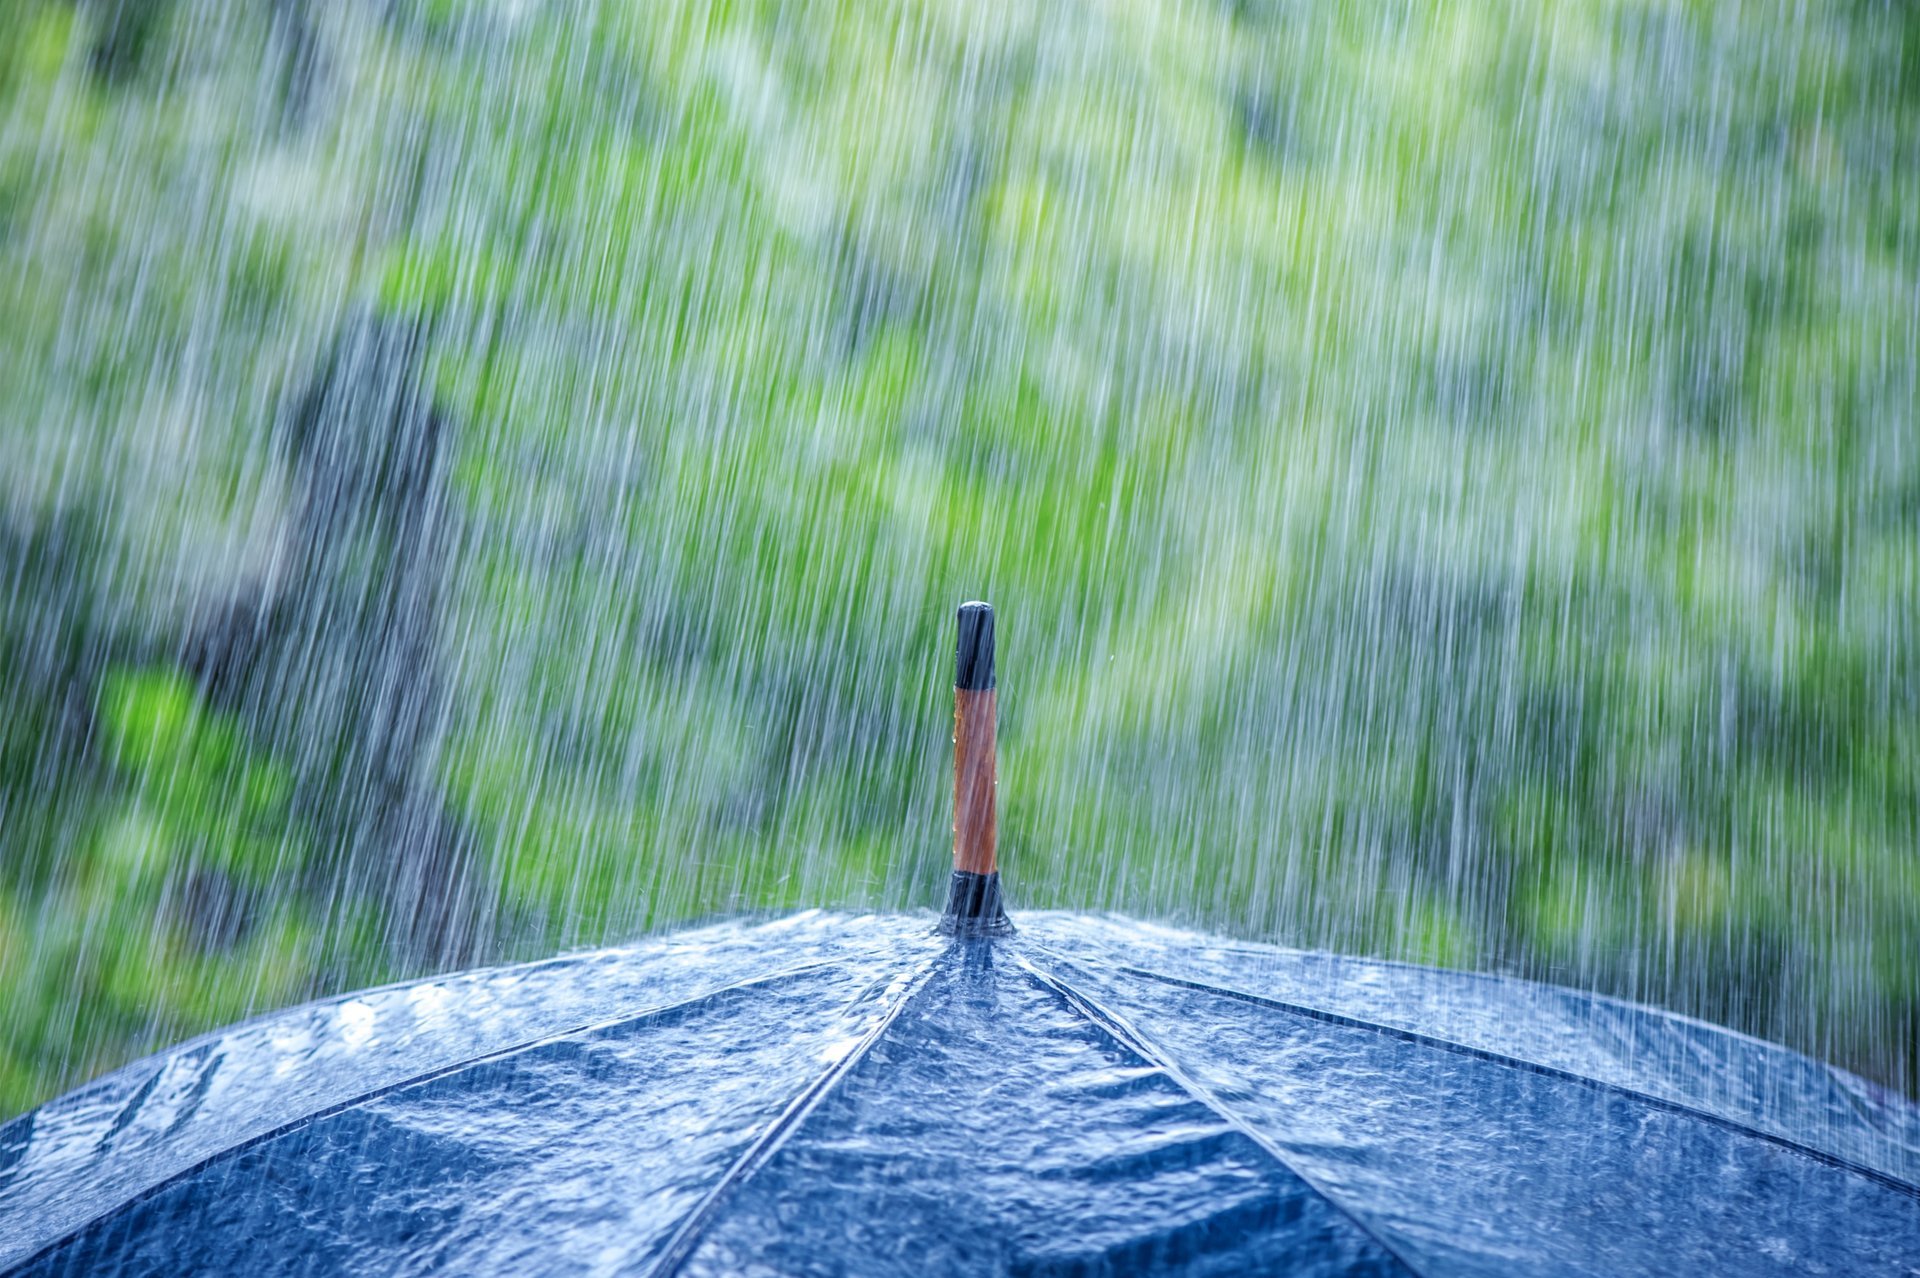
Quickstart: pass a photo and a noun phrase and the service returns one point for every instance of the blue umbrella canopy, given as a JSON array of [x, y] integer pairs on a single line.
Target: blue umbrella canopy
[[834, 1094]]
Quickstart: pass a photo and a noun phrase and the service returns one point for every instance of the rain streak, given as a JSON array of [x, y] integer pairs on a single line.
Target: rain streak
[[481, 478]]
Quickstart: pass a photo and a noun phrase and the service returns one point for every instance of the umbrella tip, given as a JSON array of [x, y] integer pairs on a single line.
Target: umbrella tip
[[973, 897], [973, 654]]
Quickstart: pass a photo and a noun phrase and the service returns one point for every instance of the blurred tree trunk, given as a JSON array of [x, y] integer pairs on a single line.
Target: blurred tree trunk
[[337, 665]]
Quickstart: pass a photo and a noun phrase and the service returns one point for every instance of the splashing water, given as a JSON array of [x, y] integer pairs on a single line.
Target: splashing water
[[486, 476]]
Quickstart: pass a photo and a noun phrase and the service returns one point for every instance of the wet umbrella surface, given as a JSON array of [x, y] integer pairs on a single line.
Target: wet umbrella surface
[[857, 1094]]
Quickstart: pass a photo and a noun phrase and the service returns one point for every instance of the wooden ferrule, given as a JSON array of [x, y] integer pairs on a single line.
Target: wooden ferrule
[[976, 823]]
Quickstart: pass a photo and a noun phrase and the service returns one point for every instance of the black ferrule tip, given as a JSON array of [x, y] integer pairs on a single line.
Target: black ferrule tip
[[974, 908], [973, 655]]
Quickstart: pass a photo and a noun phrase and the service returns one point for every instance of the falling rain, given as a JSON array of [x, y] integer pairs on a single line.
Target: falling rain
[[483, 478]]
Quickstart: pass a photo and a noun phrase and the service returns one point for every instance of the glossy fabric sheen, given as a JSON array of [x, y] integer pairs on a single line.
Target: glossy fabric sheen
[[994, 1129], [832, 1094]]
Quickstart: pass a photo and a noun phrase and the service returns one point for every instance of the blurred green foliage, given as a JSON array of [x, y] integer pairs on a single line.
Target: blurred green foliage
[[1448, 474]]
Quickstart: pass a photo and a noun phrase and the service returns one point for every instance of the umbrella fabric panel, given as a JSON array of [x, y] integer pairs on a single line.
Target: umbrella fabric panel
[[578, 1155], [995, 1129], [1674, 1057], [102, 1145], [1475, 1166], [113, 1139], [1437, 1195]]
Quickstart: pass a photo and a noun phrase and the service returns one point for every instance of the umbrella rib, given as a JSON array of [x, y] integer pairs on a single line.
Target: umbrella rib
[[1266, 953], [1115, 1027], [374, 1094], [680, 1248], [1838, 1161]]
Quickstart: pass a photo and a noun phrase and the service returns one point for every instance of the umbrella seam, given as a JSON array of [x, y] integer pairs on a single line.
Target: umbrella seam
[[1131, 1040], [157, 1061], [1883, 1125], [680, 1247], [389, 1089], [1838, 1161], [1266, 953]]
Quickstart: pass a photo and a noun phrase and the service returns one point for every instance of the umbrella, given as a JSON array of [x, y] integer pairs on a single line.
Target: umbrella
[[849, 1094]]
